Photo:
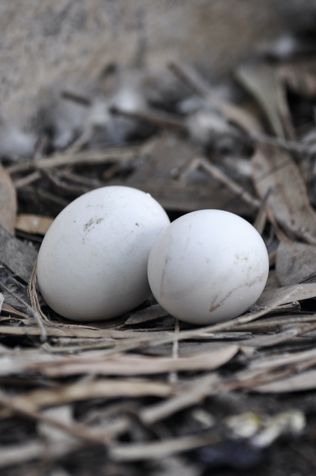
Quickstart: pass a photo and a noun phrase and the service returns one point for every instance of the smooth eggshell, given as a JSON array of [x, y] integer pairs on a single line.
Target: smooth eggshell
[[92, 264], [208, 266]]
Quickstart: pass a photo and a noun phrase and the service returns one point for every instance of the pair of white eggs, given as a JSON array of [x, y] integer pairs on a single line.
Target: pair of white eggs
[[108, 248]]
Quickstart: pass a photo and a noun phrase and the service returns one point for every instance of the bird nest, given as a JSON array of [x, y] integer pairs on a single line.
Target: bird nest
[[144, 392]]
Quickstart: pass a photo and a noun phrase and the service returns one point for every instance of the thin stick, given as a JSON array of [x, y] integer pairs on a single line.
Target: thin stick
[[82, 158], [28, 180], [162, 121], [76, 98]]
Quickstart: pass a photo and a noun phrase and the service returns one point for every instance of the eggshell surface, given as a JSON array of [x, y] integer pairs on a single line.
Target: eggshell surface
[[92, 264], [208, 266]]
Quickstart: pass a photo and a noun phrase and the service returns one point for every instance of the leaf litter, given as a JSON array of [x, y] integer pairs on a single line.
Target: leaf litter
[[146, 389]]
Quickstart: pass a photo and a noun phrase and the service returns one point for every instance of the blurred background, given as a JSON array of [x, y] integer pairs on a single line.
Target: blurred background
[[42, 41]]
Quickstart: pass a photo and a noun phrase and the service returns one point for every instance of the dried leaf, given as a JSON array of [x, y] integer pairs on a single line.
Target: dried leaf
[[16, 455], [295, 262], [159, 449], [296, 383], [145, 315], [16, 255], [95, 389], [287, 294], [136, 365], [8, 203], [35, 224], [50, 433], [265, 85], [300, 77], [15, 312], [22, 453], [98, 362], [190, 395], [281, 360], [77, 430], [174, 466], [160, 174], [270, 340], [276, 174], [1, 302]]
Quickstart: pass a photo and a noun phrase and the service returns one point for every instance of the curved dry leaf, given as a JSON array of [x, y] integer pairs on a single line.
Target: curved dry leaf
[[275, 174], [240, 116], [295, 262], [136, 365], [121, 364], [8, 202], [109, 388], [264, 83]]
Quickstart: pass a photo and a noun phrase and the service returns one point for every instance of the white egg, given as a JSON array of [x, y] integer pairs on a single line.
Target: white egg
[[208, 266], [92, 264]]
